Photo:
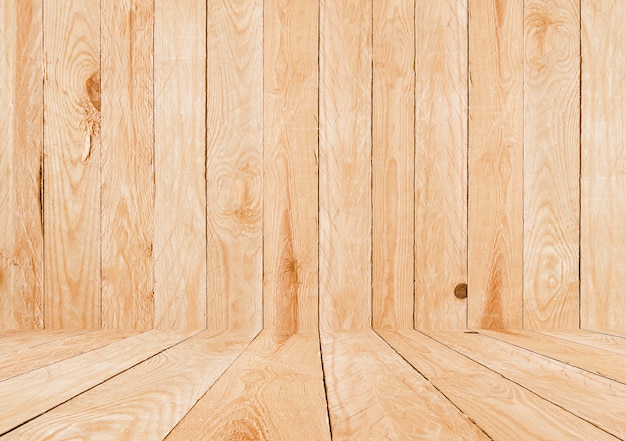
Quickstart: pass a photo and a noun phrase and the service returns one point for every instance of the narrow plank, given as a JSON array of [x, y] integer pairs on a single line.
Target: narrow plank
[[21, 135], [591, 397], [127, 176], [345, 150], [27, 339], [597, 340], [31, 394], [503, 409], [440, 163], [234, 164], [274, 391], [27, 359], [496, 120], [603, 166], [290, 203], [374, 394], [607, 363], [72, 164], [393, 154], [551, 164], [144, 402], [180, 156]]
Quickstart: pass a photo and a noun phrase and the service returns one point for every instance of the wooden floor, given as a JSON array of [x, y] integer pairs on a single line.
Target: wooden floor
[[353, 385]]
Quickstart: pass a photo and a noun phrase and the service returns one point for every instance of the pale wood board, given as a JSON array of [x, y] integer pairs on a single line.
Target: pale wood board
[[180, 156], [503, 409], [144, 402], [234, 164], [373, 394], [28, 395], [440, 163], [393, 156], [27, 359], [27, 339], [591, 397], [495, 155], [72, 164], [273, 392], [21, 137], [290, 203], [127, 178], [551, 164], [603, 166], [597, 340], [345, 150]]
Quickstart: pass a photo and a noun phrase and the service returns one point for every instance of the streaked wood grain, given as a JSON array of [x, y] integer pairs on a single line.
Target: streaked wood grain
[[597, 340], [27, 339]]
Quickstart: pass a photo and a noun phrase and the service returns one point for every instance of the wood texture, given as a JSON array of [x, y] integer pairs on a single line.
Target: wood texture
[[495, 218], [274, 391], [144, 402], [551, 164], [393, 154], [21, 137], [127, 137], [27, 339], [72, 164], [290, 202], [180, 156], [440, 163], [603, 166], [345, 151], [373, 394], [593, 339], [234, 164], [504, 410]]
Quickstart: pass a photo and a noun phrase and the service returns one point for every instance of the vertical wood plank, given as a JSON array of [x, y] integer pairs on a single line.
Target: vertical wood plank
[[345, 164], [440, 163], [290, 166], [180, 155], [393, 154], [21, 138], [551, 163], [127, 177], [234, 164], [495, 218], [603, 168], [72, 164]]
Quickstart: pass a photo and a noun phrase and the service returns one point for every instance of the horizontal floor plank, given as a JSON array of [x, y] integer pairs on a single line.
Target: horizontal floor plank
[[28, 339], [597, 340]]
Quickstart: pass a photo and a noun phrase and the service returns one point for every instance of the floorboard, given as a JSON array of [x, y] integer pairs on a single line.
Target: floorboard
[[23, 340], [607, 342]]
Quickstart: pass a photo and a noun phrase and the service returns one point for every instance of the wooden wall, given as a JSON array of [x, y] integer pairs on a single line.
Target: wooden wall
[[295, 164]]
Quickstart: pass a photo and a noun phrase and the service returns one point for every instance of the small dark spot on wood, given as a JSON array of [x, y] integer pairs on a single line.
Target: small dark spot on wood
[[460, 291], [93, 90]]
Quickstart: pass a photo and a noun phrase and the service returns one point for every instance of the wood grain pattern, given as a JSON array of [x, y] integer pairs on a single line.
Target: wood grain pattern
[[345, 150], [72, 164], [144, 402], [37, 391], [373, 394], [594, 339], [234, 164], [440, 163], [603, 167], [127, 177], [495, 218], [551, 164], [290, 166], [274, 391], [180, 156], [393, 154], [27, 339], [21, 137], [503, 409]]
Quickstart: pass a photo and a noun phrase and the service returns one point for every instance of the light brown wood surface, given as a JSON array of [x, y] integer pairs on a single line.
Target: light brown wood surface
[[373, 394], [21, 138], [290, 203], [345, 151], [28, 339], [495, 155], [603, 166], [594, 339], [440, 163], [127, 137], [234, 170], [180, 156], [393, 156], [72, 164], [273, 392]]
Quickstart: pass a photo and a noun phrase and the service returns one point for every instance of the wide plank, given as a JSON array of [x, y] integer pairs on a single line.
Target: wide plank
[[607, 342], [26, 339]]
